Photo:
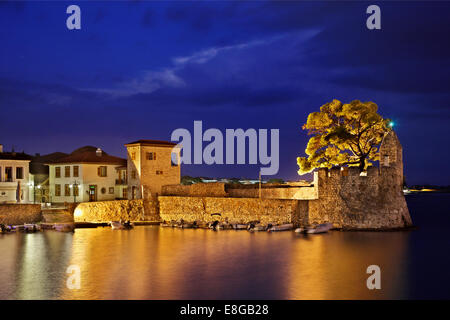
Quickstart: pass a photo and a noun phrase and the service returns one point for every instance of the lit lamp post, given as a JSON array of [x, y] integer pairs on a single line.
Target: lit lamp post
[[74, 186]]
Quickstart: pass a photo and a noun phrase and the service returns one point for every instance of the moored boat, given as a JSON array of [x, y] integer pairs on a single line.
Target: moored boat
[[281, 227], [320, 228], [117, 225], [31, 227], [64, 227], [240, 226]]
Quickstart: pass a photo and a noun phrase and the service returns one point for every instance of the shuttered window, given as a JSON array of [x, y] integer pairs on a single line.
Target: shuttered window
[[67, 171], [102, 171]]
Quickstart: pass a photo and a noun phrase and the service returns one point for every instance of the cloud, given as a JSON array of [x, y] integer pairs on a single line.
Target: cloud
[[147, 82], [152, 80]]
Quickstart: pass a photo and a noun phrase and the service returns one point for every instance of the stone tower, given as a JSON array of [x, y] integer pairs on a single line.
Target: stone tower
[[151, 164], [391, 160]]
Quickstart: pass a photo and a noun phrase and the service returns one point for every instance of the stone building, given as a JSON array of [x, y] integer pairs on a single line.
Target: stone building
[[87, 174], [151, 164]]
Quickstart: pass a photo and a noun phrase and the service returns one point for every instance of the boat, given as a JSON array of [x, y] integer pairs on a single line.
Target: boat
[[281, 227], [320, 228], [258, 227], [30, 227], [5, 229], [240, 226], [117, 225], [225, 226], [64, 227], [300, 230], [187, 225]]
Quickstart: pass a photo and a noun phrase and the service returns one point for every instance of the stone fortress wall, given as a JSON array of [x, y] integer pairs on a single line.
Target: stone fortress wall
[[342, 196]]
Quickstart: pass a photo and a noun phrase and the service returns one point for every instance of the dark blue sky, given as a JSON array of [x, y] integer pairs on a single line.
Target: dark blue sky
[[140, 69]]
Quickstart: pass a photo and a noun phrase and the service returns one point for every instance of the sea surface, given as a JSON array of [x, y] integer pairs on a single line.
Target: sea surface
[[164, 263]]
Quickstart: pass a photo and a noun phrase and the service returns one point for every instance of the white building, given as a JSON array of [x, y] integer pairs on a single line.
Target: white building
[[87, 174], [14, 177]]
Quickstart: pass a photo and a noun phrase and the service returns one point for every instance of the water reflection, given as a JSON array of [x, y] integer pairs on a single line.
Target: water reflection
[[165, 263]]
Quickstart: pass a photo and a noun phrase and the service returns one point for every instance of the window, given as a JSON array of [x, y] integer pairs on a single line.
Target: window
[[151, 155], [125, 193], [58, 172], [67, 190], [0, 174], [103, 190], [57, 190], [111, 190], [133, 156], [386, 161], [75, 190], [67, 171], [133, 174], [19, 173], [159, 172], [75, 171], [102, 171], [8, 174]]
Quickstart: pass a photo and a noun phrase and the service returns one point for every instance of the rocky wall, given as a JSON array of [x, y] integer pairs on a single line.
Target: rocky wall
[[353, 202], [17, 214], [237, 210], [105, 211]]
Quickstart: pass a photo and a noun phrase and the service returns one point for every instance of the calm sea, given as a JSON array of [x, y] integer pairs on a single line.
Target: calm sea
[[164, 263]]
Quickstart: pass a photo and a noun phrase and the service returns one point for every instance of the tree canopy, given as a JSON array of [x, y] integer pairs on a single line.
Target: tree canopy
[[343, 134]]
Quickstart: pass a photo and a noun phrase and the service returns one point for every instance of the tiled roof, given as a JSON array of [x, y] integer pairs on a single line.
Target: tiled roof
[[153, 143], [88, 154], [39, 163], [14, 156]]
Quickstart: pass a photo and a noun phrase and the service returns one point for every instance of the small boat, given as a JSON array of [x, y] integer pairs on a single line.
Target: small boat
[[260, 227], [64, 227], [30, 227], [19, 228], [320, 228], [225, 226], [300, 230], [117, 225], [240, 226], [281, 227], [187, 225], [5, 229]]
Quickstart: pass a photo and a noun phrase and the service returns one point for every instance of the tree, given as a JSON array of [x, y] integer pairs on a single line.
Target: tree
[[343, 134]]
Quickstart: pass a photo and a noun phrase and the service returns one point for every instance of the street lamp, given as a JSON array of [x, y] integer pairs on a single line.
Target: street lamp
[[74, 186]]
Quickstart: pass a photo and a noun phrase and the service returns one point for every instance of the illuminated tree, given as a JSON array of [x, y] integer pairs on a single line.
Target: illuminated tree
[[343, 134]]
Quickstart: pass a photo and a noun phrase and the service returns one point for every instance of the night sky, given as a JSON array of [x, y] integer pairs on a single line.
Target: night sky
[[140, 69]]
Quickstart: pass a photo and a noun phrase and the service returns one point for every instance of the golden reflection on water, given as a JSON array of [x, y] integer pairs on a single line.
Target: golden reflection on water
[[165, 263]]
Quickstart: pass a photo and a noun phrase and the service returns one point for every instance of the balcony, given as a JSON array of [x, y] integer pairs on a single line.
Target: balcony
[[120, 182]]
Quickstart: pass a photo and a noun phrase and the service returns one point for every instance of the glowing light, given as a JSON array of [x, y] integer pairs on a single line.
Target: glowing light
[[391, 124], [78, 212]]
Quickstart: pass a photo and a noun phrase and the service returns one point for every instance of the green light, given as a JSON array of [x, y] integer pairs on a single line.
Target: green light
[[391, 124]]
